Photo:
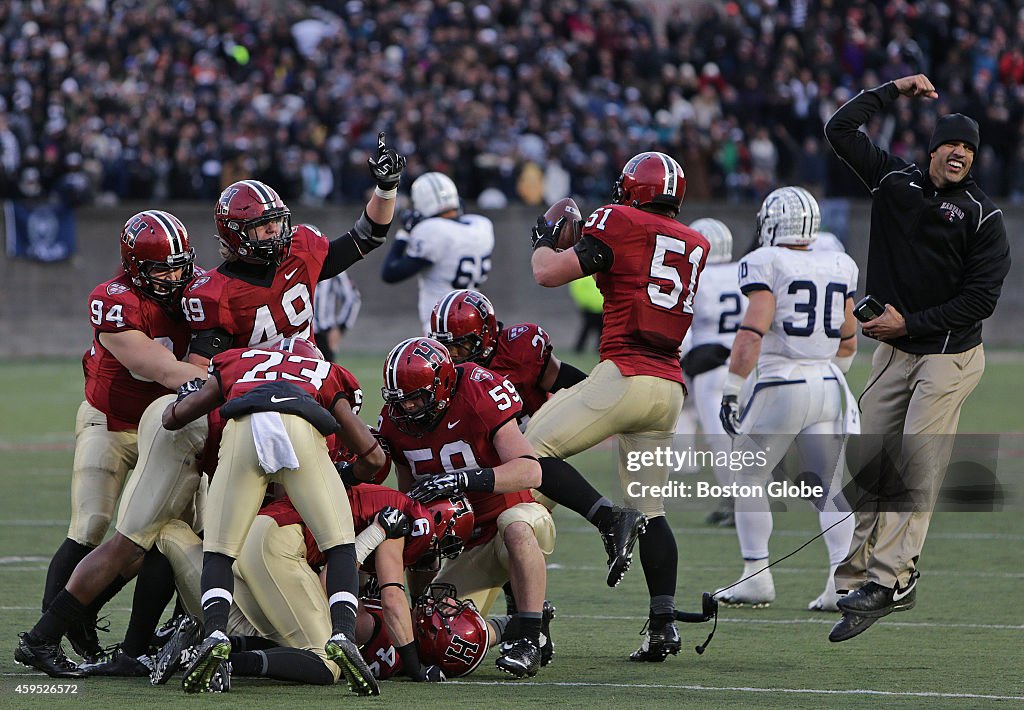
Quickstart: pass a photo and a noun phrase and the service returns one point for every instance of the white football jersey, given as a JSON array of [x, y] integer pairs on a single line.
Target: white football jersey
[[810, 289], [460, 251], [718, 307]]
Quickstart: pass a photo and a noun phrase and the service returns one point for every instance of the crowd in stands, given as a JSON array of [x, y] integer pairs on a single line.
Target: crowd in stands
[[517, 100]]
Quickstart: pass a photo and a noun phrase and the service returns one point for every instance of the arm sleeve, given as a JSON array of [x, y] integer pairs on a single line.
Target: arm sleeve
[[594, 255], [342, 253], [854, 147], [568, 375], [398, 265], [985, 269]]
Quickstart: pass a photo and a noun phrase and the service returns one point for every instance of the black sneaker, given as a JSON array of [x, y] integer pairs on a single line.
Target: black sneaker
[[519, 658], [188, 634], [85, 641], [659, 641], [46, 657], [119, 664], [547, 645], [849, 626], [210, 655], [875, 601], [343, 651], [619, 535], [724, 516]]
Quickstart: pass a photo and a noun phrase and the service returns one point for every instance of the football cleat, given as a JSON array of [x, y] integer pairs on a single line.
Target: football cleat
[[46, 657], [619, 535], [164, 633], [547, 645], [756, 591], [659, 641], [345, 653], [119, 664], [173, 655], [210, 655], [519, 658], [829, 598], [85, 641]]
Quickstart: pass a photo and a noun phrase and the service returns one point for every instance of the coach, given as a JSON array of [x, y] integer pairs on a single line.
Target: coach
[[937, 258]]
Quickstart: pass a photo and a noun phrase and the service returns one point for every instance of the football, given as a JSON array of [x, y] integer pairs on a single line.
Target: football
[[573, 228]]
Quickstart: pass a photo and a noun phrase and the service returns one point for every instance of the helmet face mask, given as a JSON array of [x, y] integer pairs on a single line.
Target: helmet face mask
[[651, 178], [156, 255], [243, 213], [465, 323], [789, 216], [419, 382], [719, 237], [433, 194]]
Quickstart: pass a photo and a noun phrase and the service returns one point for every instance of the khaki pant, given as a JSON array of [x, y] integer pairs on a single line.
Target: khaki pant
[[641, 410], [911, 407], [166, 478], [103, 459], [479, 573], [238, 487]]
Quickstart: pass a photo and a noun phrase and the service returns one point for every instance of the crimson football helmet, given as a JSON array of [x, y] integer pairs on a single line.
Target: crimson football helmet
[[300, 347], [242, 207], [419, 382], [650, 178], [449, 633], [465, 320], [453, 524], [157, 241]]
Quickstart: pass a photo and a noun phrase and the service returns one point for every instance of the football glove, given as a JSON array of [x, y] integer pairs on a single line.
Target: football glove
[[190, 387], [729, 414], [387, 165], [347, 474], [544, 234], [430, 674], [395, 522], [444, 485]]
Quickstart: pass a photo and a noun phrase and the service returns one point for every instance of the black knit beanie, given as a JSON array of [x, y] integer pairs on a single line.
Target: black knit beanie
[[955, 127]]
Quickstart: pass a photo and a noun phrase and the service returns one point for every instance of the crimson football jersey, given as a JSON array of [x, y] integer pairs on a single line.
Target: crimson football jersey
[[464, 439], [115, 307], [649, 289], [521, 353], [379, 653], [259, 313]]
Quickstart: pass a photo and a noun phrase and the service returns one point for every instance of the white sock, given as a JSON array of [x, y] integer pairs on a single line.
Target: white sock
[[754, 530], [837, 539]]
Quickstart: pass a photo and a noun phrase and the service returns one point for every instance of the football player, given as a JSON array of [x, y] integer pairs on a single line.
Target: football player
[[452, 429], [716, 318], [140, 339], [647, 266], [446, 248], [799, 333], [261, 294], [280, 404]]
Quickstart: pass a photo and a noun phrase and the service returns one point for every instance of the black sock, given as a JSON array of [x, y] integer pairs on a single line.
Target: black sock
[[529, 625], [94, 608], [503, 624], [64, 610], [154, 588], [217, 576], [510, 598], [343, 588], [659, 557], [241, 644], [63, 563], [292, 664], [566, 486]]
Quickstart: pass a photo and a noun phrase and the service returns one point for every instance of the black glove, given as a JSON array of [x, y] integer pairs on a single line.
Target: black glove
[[729, 414], [444, 485], [190, 387], [545, 234], [395, 523], [410, 218], [387, 166], [429, 674], [347, 474]]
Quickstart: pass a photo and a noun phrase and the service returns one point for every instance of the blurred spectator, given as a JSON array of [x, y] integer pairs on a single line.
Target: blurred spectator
[[590, 302], [161, 100]]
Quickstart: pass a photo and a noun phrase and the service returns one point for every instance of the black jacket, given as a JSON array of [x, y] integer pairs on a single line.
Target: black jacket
[[938, 256]]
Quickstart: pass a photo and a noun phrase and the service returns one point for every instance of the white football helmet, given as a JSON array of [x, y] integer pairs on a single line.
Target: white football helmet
[[434, 193], [718, 236], [827, 241], [789, 216]]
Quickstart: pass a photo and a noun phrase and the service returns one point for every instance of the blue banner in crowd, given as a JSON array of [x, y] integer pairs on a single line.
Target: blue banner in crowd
[[44, 232]]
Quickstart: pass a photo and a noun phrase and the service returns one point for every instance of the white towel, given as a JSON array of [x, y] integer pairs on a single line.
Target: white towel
[[851, 415], [273, 447]]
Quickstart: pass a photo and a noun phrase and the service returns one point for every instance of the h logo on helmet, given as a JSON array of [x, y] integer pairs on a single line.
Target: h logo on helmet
[[225, 200], [477, 302], [132, 231], [428, 352], [462, 650]]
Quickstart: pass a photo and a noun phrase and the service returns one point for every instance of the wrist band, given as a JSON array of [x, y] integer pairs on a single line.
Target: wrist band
[[386, 194], [755, 331], [391, 584], [850, 336], [376, 445]]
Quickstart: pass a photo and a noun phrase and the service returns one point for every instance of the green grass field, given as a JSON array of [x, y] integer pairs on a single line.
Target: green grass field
[[961, 647]]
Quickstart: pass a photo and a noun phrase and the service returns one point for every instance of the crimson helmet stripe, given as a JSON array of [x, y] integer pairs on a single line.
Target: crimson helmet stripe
[[168, 223], [266, 195]]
